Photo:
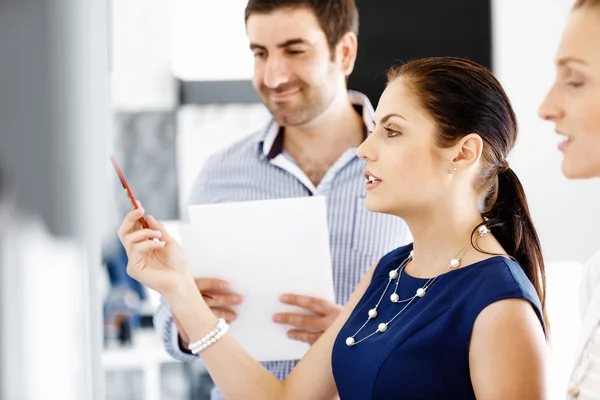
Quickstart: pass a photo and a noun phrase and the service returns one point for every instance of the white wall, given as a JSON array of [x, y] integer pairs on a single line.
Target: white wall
[[209, 40], [141, 47], [566, 213]]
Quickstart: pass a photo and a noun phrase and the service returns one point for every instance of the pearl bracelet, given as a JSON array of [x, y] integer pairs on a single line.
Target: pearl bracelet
[[211, 338]]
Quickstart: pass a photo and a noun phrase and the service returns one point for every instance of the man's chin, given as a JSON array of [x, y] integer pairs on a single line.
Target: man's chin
[[290, 117]]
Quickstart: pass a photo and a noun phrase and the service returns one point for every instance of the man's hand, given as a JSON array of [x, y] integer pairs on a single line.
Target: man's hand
[[220, 303], [309, 327]]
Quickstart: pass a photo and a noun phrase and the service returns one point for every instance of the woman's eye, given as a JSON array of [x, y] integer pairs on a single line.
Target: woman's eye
[[391, 132], [575, 84]]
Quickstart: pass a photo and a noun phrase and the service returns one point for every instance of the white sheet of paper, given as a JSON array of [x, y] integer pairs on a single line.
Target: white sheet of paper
[[263, 249]]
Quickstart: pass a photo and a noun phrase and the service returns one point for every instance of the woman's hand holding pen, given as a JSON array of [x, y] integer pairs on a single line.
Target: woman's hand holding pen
[[158, 264]]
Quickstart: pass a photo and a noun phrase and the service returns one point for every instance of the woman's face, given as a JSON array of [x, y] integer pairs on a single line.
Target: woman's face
[[573, 102], [410, 170]]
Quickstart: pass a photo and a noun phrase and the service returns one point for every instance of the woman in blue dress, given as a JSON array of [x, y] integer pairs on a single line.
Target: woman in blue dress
[[458, 314]]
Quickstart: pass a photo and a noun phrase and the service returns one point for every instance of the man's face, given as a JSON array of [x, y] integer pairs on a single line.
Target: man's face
[[293, 69]]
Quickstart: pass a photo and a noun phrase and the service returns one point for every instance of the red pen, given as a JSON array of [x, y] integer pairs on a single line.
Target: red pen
[[132, 199], [127, 189]]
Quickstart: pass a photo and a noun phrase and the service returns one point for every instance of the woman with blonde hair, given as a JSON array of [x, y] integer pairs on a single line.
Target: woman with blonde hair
[[573, 104]]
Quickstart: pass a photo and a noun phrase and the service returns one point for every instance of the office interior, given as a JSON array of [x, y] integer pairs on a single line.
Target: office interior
[[163, 84]]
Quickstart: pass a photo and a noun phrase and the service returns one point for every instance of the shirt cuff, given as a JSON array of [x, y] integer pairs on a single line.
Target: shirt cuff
[[182, 353]]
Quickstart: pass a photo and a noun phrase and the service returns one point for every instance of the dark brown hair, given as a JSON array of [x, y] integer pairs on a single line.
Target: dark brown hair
[[336, 17], [585, 3], [463, 97]]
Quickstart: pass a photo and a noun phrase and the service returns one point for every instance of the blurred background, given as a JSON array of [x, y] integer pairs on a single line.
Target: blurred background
[[165, 83]]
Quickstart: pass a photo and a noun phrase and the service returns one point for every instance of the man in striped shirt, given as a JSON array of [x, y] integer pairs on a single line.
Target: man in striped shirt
[[304, 51]]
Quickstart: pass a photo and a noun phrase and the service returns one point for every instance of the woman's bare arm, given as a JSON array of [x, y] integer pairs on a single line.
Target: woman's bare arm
[[239, 376]]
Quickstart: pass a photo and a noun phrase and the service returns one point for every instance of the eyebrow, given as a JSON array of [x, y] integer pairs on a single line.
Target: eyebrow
[[568, 60], [287, 43], [388, 116]]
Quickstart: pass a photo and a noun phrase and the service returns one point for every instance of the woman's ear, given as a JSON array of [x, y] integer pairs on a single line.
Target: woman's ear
[[466, 153]]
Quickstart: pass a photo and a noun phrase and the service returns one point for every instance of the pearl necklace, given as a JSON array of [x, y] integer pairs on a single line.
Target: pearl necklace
[[395, 274]]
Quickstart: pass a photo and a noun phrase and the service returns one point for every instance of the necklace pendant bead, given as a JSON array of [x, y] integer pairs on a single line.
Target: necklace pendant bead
[[350, 341], [372, 313], [395, 298], [382, 327], [393, 274], [454, 263], [421, 292]]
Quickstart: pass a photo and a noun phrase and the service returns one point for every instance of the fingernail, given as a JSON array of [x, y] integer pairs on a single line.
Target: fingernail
[[237, 298], [277, 318], [284, 297], [223, 285]]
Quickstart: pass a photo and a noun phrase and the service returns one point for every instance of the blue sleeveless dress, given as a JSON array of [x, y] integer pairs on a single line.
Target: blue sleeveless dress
[[424, 354]]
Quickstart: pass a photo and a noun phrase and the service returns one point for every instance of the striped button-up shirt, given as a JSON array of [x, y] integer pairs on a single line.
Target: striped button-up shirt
[[258, 168]]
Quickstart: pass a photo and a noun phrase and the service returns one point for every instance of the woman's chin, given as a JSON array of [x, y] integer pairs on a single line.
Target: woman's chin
[[579, 169], [383, 206], [374, 204]]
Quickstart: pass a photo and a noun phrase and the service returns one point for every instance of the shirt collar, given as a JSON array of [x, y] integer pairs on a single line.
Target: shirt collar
[[272, 141]]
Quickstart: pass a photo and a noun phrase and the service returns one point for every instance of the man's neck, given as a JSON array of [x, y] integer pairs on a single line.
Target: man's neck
[[316, 146]]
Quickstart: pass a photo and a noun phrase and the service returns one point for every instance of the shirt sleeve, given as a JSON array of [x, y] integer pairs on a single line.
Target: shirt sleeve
[[166, 328]]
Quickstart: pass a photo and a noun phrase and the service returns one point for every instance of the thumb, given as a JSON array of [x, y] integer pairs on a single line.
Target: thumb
[[154, 224]]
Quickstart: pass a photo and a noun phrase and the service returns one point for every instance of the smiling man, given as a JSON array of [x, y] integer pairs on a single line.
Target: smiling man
[[304, 52]]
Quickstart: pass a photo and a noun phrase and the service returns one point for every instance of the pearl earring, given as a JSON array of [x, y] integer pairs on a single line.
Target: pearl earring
[[454, 169]]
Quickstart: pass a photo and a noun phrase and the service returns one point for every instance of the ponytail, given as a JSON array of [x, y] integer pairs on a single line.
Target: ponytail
[[511, 224]]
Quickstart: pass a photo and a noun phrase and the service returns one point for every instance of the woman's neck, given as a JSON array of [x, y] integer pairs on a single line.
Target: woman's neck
[[440, 234]]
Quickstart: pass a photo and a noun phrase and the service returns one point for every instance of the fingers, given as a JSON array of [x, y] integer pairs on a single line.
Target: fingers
[[220, 301], [154, 224], [303, 336], [130, 222], [138, 250], [304, 322], [215, 285], [225, 313], [217, 289], [223, 300], [316, 305], [131, 239]]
